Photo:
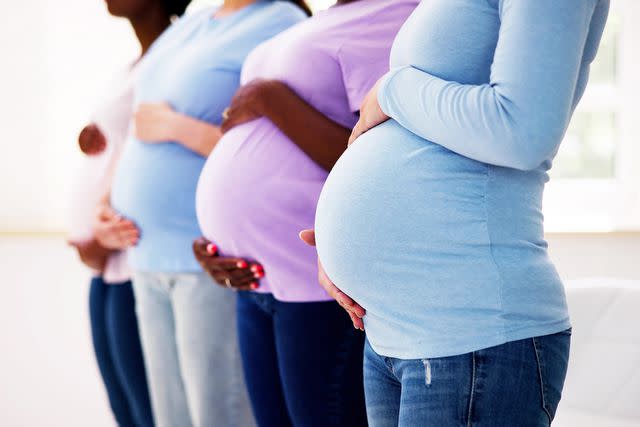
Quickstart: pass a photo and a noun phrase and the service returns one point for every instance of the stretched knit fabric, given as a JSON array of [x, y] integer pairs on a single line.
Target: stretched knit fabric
[[432, 221]]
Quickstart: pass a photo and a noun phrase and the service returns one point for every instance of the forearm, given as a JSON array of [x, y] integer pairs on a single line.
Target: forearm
[[322, 139], [196, 135], [93, 254], [512, 120]]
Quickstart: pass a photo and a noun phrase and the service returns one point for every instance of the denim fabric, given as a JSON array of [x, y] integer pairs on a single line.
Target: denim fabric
[[302, 361], [188, 331], [514, 384], [114, 331]]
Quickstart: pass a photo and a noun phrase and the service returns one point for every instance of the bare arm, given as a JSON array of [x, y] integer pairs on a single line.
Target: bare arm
[[157, 123], [322, 139]]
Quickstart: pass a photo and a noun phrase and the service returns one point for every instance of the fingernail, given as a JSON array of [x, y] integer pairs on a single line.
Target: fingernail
[[256, 268], [254, 285], [212, 249], [258, 274], [241, 264]]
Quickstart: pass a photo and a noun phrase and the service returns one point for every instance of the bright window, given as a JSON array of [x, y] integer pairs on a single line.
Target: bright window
[[595, 181]]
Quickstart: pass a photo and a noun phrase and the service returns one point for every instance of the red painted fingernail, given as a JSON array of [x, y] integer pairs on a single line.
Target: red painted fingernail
[[241, 264], [212, 249], [256, 268], [254, 285], [258, 274]]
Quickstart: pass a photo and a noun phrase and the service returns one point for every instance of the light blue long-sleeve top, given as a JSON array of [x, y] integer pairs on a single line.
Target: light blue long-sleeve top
[[432, 221], [194, 66]]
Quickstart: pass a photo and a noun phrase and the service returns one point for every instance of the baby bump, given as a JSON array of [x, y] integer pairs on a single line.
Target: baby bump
[[398, 207], [155, 184], [256, 181]]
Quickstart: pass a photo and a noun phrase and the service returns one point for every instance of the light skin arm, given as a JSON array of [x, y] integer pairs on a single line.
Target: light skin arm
[[158, 123], [111, 230], [355, 310]]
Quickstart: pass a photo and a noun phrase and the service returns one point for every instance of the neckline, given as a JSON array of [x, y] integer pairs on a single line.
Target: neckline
[[235, 14]]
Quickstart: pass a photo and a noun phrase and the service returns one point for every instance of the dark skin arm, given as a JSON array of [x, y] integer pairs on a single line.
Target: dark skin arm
[[322, 139], [92, 254], [229, 272]]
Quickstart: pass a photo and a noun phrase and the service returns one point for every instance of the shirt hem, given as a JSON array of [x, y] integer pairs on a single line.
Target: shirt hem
[[420, 352]]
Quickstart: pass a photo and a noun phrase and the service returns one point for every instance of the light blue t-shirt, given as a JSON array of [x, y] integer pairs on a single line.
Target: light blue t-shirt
[[195, 67], [432, 221]]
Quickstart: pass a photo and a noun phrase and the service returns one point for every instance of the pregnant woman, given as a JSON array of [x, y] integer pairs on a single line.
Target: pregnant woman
[[114, 328], [187, 325], [432, 219], [286, 127]]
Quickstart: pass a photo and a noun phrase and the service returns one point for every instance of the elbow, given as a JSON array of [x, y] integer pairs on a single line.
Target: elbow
[[528, 148], [525, 162]]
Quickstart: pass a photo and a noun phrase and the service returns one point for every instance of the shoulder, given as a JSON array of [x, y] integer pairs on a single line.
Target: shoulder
[[283, 12], [374, 27], [195, 15], [394, 7]]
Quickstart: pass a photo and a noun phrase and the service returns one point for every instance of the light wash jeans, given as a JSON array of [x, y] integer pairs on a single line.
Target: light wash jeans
[[188, 332]]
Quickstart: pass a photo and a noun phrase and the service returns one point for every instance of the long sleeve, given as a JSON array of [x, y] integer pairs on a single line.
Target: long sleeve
[[519, 117]]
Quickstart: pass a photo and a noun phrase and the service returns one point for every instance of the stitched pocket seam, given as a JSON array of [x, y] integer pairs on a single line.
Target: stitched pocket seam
[[539, 362]]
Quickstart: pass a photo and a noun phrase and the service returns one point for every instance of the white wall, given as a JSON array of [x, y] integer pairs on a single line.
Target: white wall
[[596, 255], [57, 56]]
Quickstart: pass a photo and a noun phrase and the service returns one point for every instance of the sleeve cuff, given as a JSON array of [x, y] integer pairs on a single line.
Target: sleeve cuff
[[385, 91]]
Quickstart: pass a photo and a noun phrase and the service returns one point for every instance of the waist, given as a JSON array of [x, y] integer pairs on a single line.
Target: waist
[[155, 185], [162, 250], [257, 191]]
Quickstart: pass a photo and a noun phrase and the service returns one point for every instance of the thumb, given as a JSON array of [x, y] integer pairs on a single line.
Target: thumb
[[308, 236]]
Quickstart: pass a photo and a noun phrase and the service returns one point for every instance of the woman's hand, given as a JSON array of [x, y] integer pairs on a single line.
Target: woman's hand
[[229, 272], [155, 123], [112, 231], [91, 140], [355, 311], [248, 102], [158, 123], [371, 114], [92, 254]]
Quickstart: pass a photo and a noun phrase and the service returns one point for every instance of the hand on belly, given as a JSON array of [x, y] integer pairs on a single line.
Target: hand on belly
[[371, 115], [229, 272], [355, 311]]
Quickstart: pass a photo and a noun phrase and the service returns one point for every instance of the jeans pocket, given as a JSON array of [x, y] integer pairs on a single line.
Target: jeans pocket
[[552, 357]]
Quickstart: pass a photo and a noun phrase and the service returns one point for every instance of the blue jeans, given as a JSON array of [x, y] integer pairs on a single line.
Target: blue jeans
[[302, 362], [188, 331], [114, 331], [517, 384]]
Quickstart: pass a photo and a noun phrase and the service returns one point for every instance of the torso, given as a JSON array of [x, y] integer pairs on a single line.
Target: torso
[[195, 67], [94, 174], [258, 189], [447, 254]]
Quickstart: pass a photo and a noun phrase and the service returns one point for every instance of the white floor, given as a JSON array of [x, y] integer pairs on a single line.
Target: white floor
[[48, 374]]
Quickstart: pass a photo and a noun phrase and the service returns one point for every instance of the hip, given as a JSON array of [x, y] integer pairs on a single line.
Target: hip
[[519, 382]]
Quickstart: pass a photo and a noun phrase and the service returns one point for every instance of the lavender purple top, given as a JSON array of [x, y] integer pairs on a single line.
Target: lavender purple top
[[258, 189]]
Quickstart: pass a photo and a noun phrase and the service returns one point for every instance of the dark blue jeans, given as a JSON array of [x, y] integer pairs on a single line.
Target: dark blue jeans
[[302, 362], [517, 384], [114, 330]]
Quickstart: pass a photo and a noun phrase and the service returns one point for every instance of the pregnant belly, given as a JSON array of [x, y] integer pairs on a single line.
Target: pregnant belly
[[155, 186], [257, 190], [400, 211]]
